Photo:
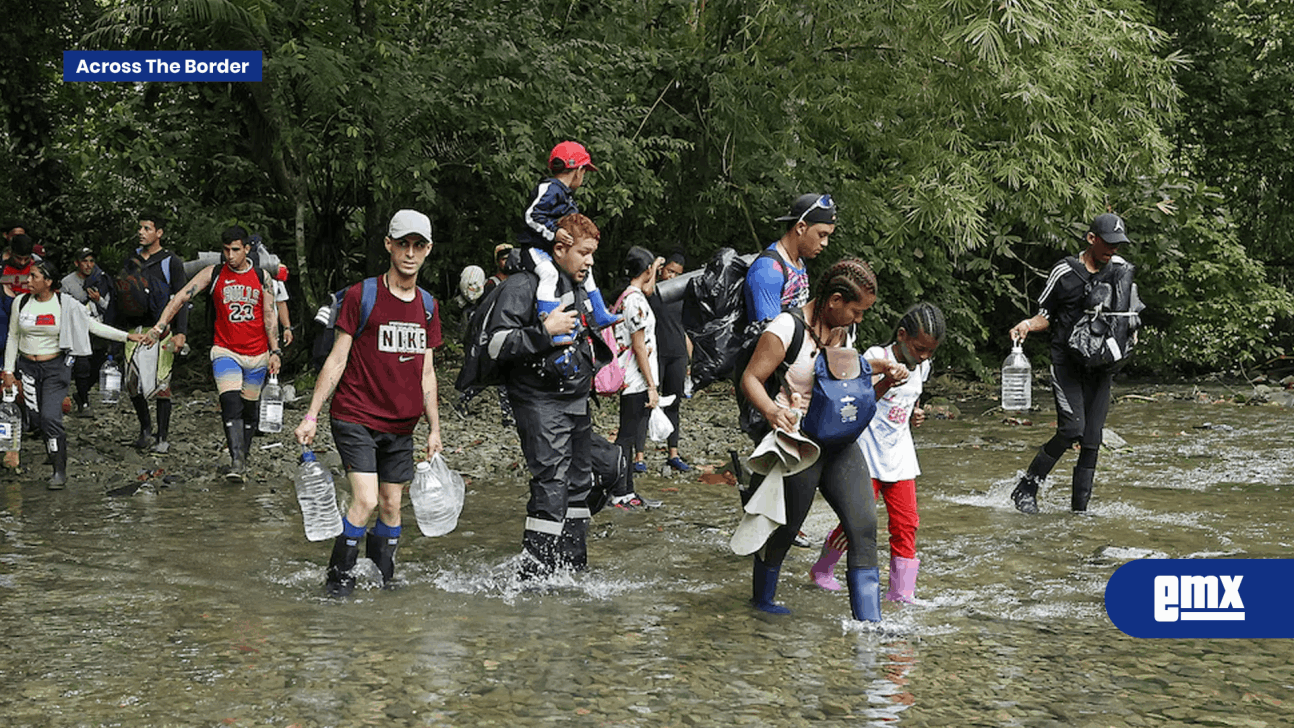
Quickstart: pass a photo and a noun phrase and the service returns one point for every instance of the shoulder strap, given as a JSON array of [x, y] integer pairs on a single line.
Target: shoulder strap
[[367, 300], [1078, 267], [166, 270], [797, 337], [215, 278], [22, 301], [772, 254], [428, 302]]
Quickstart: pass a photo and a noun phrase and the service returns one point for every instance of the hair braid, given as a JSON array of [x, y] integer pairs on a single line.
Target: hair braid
[[850, 277], [922, 318]]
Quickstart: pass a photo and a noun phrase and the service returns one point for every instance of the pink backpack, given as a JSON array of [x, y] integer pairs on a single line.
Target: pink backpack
[[610, 379]]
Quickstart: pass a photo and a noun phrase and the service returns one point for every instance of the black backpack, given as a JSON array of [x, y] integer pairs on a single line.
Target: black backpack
[[715, 317], [138, 295], [749, 419], [480, 370], [1103, 338]]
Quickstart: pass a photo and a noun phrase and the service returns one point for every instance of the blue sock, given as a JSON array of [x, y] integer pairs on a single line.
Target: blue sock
[[350, 530], [384, 531]]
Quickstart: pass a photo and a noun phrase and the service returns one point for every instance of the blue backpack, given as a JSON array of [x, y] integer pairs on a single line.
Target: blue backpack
[[843, 399], [368, 299]]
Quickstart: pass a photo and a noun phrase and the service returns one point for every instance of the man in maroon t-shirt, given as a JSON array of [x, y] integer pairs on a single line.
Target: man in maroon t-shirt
[[384, 380]]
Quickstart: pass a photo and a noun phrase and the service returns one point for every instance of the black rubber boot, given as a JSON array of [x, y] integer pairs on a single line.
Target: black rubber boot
[[1083, 478], [234, 437], [163, 419], [538, 555], [145, 422], [1025, 494], [58, 453], [251, 425], [572, 545], [381, 551], [341, 580]]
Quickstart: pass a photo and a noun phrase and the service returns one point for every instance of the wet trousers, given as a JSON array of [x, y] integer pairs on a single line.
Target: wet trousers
[[632, 436], [558, 449], [44, 386], [86, 372], [673, 373], [841, 475]]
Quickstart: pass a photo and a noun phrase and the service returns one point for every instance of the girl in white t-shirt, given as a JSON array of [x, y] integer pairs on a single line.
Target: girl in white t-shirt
[[642, 370], [844, 292], [891, 456]]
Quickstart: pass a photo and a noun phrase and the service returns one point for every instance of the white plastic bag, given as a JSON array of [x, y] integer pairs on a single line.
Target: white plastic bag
[[437, 494], [658, 425]]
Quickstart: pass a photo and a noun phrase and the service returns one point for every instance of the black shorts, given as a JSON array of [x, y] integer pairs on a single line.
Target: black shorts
[[368, 451]]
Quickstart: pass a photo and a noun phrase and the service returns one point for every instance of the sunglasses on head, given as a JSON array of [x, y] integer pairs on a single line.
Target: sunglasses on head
[[823, 202]]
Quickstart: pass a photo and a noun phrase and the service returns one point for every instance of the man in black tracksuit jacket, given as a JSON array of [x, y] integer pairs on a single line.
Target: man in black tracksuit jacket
[[549, 388]]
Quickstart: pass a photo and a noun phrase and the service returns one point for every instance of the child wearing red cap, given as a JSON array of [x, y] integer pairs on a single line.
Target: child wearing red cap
[[551, 201]]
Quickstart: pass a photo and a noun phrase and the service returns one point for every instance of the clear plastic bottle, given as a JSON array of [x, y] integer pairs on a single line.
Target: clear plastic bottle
[[317, 498], [109, 382], [10, 421], [437, 495], [272, 406], [1017, 380]]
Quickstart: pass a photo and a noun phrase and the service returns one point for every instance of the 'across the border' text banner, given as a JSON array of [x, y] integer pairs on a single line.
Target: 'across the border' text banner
[[132, 66]]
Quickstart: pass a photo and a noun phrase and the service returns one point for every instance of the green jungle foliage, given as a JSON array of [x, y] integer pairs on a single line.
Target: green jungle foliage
[[967, 144]]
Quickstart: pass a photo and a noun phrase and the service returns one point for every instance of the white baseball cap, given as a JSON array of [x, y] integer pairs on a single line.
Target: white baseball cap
[[406, 222]]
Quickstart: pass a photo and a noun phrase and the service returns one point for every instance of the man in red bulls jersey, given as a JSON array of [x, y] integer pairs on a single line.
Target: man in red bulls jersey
[[242, 353], [382, 373]]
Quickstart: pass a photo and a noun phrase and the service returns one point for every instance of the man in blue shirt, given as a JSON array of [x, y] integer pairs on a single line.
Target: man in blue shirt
[[779, 276]]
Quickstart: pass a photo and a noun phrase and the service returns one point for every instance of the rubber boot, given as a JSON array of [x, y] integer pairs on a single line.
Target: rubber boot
[[764, 583], [572, 545], [251, 426], [1082, 489], [538, 555], [234, 438], [145, 422], [546, 307], [163, 422], [601, 316], [823, 571], [340, 581], [903, 580], [1025, 494], [58, 453], [379, 546], [865, 593]]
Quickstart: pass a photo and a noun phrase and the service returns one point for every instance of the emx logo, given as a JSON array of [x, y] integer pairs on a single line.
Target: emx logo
[[1191, 598], [1196, 598]]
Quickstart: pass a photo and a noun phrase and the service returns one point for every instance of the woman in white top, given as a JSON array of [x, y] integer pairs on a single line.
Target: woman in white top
[[846, 290], [642, 370], [46, 332]]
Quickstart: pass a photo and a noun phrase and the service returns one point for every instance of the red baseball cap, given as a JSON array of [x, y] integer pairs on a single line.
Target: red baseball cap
[[572, 154]]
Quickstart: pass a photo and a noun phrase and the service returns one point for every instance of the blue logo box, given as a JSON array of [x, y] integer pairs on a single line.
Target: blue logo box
[[138, 66], [1203, 598]]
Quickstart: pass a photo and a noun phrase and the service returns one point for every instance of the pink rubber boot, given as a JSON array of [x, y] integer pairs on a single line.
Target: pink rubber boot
[[823, 572], [903, 580]]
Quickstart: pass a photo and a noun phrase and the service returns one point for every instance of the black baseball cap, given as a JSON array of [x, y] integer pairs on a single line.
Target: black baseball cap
[[1110, 228], [813, 208]]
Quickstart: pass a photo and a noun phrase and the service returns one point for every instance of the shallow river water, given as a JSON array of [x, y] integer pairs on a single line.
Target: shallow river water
[[193, 603]]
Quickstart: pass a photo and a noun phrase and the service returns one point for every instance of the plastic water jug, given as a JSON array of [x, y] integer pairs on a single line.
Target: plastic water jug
[[437, 494], [109, 382], [317, 498], [10, 422], [1017, 380], [272, 406]]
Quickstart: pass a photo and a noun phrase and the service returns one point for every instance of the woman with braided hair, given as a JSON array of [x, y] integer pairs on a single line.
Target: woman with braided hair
[[846, 290], [890, 454]]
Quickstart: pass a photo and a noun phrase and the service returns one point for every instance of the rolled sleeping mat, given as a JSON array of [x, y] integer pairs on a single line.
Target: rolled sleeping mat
[[269, 262]]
